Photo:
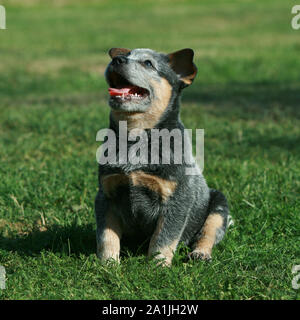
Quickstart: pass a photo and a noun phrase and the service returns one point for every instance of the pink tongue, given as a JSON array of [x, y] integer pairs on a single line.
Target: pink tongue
[[119, 92]]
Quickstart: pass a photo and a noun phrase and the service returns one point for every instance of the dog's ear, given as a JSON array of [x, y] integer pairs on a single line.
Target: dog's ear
[[113, 52], [182, 63]]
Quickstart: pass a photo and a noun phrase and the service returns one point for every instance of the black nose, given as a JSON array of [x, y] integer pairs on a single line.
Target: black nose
[[119, 60]]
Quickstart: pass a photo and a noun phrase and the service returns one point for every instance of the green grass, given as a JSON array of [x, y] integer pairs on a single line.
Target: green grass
[[53, 102]]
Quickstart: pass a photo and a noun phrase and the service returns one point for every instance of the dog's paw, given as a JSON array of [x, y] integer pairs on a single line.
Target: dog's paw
[[163, 261], [108, 257], [199, 254]]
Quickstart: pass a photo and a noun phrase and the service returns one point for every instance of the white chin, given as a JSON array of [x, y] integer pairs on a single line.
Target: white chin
[[130, 104]]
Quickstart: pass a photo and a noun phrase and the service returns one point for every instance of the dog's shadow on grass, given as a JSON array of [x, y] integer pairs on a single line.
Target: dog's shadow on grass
[[69, 240], [72, 239]]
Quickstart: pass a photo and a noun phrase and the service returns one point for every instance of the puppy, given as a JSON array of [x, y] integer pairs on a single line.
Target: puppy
[[159, 201]]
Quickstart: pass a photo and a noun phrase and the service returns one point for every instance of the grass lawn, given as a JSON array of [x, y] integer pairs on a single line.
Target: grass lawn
[[53, 100]]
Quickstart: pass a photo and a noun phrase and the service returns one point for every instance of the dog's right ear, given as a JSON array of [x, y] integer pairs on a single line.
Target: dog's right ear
[[113, 52], [182, 63]]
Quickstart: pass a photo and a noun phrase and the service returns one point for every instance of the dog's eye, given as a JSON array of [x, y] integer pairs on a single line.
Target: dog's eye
[[148, 63]]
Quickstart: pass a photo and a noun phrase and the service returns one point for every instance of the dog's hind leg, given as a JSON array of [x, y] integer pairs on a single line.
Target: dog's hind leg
[[214, 227]]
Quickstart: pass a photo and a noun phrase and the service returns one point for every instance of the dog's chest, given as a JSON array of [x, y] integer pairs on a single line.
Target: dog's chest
[[137, 198], [137, 183]]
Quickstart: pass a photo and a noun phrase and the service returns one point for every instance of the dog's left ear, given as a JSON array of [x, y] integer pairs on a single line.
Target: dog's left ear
[[182, 63], [113, 52]]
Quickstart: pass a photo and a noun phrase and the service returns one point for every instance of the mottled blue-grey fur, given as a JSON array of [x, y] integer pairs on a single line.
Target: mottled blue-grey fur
[[138, 211]]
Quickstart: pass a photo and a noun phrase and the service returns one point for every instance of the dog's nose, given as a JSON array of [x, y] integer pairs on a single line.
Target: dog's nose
[[119, 60]]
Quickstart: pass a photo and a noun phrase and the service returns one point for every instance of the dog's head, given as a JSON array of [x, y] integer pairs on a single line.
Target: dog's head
[[141, 79]]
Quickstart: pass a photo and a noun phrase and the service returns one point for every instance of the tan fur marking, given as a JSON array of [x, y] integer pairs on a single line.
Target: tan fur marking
[[113, 52], [112, 181], [109, 246], [189, 79], [161, 186], [148, 119], [208, 237]]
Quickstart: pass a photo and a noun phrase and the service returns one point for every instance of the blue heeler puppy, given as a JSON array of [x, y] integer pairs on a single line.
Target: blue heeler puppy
[[158, 202]]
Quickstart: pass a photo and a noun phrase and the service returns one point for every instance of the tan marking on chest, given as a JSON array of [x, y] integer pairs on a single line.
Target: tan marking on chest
[[112, 181], [165, 188], [148, 119]]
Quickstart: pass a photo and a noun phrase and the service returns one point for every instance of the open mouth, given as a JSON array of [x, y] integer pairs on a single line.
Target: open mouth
[[121, 88]]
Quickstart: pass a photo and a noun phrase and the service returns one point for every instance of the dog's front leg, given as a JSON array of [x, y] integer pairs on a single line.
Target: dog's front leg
[[165, 238], [108, 232]]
